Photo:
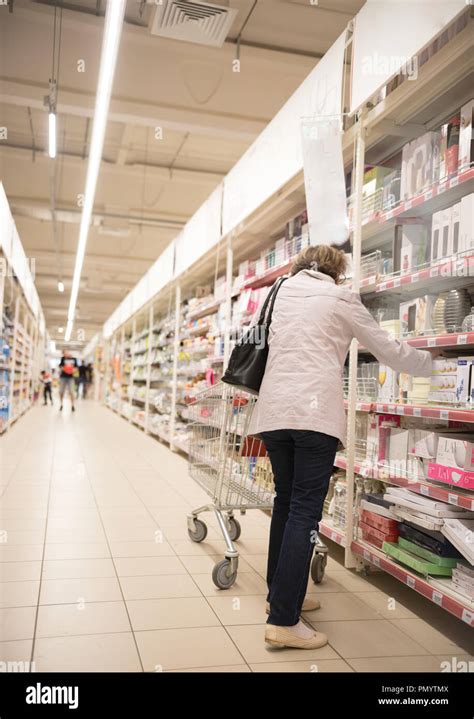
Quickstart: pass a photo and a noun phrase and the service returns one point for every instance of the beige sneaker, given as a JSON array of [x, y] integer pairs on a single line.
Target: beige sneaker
[[286, 637], [309, 605]]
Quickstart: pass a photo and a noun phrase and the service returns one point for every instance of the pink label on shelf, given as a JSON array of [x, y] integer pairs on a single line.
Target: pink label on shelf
[[449, 475]]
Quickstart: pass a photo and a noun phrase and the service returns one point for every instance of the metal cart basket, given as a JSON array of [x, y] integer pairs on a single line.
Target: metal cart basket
[[234, 471]]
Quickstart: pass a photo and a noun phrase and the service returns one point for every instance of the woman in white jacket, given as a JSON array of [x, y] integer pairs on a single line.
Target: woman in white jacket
[[300, 416]]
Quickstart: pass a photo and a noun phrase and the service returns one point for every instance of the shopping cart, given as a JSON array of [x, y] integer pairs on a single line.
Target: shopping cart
[[234, 471]]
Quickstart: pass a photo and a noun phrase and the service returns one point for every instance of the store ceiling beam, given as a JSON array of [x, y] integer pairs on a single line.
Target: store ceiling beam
[[117, 172], [111, 263], [129, 112]]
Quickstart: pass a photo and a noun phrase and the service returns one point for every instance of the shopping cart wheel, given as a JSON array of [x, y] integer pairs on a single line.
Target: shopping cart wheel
[[234, 528], [222, 575], [318, 565], [200, 531]]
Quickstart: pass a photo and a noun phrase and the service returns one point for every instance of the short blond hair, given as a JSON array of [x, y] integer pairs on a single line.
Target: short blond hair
[[322, 258]]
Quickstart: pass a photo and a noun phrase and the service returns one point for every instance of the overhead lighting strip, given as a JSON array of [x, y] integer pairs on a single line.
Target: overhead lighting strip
[[112, 31]]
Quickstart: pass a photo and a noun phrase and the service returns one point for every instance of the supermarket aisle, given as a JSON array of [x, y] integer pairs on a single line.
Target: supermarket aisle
[[98, 573]]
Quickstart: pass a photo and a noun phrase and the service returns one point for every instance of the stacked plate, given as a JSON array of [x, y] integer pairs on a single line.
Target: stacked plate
[[456, 307]]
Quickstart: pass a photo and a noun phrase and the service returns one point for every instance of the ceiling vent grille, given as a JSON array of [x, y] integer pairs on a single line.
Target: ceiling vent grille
[[198, 22]]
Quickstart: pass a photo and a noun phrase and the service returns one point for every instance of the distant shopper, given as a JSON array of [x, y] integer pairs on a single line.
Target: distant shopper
[[68, 366], [82, 380], [89, 377], [47, 381], [300, 416]]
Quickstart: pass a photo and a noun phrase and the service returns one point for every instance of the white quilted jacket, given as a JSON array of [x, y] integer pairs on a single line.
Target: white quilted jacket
[[314, 321]]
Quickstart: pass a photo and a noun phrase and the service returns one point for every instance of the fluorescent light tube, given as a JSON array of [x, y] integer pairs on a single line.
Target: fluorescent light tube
[[108, 60], [52, 135], [60, 286]]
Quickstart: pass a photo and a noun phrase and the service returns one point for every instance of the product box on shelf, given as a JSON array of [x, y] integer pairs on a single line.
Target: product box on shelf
[[420, 164], [391, 190], [448, 475], [456, 229], [383, 524], [422, 443], [466, 136], [414, 246], [416, 315], [456, 450], [465, 380], [466, 223], [436, 237], [374, 179], [392, 327], [449, 149], [388, 384], [378, 431], [374, 536], [419, 390], [446, 232]]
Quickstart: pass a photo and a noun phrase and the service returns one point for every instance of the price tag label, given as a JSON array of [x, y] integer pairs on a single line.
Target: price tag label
[[428, 195], [453, 499], [334, 536], [391, 409], [444, 414], [382, 286], [424, 490], [400, 410], [367, 555], [407, 204], [441, 187], [434, 271], [379, 408], [396, 282], [417, 411], [415, 277], [467, 616], [431, 341], [462, 339], [454, 181], [437, 597], [389, 215], [411, 582], [376, 561]]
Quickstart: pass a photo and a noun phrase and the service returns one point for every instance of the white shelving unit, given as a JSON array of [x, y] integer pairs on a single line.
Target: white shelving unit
[[377, 135]]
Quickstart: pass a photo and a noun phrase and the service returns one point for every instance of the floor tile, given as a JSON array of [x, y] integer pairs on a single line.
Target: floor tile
[[60, 620], [19, 594], [232, 669], [375, 638], [250, 641], [159, 587], [141, 549], [239, 610], [430, 638], [78, 568], [186, 648], [19, 651], [143, 566], [174, 613], [387, 606], [88, 653], [204, 563], [80, 591], [19, 571], [21, 552], [246, 583], [389, 665], [17, 623], [341, 606], [304, 666], [76, 551]]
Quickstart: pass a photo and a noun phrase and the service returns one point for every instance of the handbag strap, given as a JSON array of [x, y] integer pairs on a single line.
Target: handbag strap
[[270, 300]]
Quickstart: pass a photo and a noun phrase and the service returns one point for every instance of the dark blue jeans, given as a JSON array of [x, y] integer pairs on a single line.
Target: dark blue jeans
[[302, 462]]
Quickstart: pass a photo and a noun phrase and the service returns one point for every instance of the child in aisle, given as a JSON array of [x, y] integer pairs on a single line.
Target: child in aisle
[[47, 381], [68, 367]]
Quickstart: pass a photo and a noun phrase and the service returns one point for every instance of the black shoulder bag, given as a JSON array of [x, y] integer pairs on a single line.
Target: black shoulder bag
[[249, 357]]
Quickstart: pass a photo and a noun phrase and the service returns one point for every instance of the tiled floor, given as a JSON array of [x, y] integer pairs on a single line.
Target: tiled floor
[[97, 571]]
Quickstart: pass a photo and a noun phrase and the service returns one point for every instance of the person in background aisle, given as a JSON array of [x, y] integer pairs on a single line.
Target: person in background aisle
[[81, 380], [89, 377], [47, 381], [68, 366], [300, 416]]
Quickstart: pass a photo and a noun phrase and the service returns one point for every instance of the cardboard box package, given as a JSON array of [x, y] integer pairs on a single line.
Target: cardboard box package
[[422, 443], [446, 232], [436, 238], [416, 315], [466, 223], [456, 229], [392, 327], [465, 380], [420, 164], [456, 451], [420, 388], [466, 136], [414, 249]]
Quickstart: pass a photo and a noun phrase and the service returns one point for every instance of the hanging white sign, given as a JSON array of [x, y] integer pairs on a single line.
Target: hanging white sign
[[324, 181], [388, 34]]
